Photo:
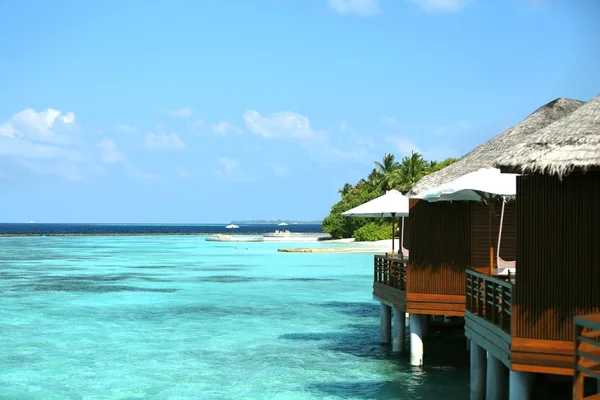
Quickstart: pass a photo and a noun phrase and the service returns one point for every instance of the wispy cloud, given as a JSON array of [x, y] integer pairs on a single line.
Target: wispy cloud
[[441, 5], [196, 125], [225, 127], [284, 124], [109, 152], [125, 128], [388, 121], [344, 127], [355, 7], [67, 171], [278, 169], [165, 141], [229, 169], [183, 112], [183, 173], [403, 146], [136, 173]]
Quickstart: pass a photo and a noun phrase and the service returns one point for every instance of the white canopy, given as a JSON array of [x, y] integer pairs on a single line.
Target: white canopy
[[232, 226], [467, 187], [282, 224], [392, 202]]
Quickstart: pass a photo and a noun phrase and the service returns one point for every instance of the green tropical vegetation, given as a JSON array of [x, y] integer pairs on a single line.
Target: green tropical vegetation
[[386, 175]]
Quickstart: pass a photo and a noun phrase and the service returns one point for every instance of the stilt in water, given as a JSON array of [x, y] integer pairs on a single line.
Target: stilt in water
[[385, 323], [399, 326], [478, 371], [416, 340], [496, 383]]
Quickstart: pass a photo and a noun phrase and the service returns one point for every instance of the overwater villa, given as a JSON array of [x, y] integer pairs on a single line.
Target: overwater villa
[[527, 326], [448, 238]]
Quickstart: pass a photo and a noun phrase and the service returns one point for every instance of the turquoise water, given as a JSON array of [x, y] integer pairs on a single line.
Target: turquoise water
[[182, 318]]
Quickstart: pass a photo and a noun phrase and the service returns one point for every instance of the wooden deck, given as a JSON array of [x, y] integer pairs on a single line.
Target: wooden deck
[[488, 314], [389, 280], [390, 286], [587, 353], [489, 322]]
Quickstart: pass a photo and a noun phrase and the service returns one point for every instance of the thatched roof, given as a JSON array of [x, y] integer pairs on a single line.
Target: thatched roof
[[572, 143], [501, 145]]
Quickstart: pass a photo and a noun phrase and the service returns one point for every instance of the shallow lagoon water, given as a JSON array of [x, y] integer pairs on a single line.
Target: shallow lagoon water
[[181, 318]]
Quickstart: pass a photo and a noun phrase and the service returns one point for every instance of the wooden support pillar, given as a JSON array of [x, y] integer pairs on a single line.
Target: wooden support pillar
[[399, 326], [478, 371], [496, 384], [385, 323]]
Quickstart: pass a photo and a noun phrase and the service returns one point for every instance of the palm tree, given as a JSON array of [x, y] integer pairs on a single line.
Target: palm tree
[[387, 165], [412, 168], [345, 190], [386, 170]]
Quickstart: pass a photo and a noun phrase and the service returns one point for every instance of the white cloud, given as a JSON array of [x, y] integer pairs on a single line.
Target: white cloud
[[7, 130], [40, 126], [125, 128], [225, 127], [441, 5], [365, 142], [181, 113], [229, 169], [284, 124], [68, 171], [136, 173], [278, 169], [403, 146], [19, 147], [183, 173], [196, 125], [109, 152], [356, 7], [389, 121], [344, 127], [165, 141]]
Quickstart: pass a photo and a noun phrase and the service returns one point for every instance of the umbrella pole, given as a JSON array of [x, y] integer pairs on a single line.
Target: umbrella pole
[[402, 239], [490, 237], [393, 233]]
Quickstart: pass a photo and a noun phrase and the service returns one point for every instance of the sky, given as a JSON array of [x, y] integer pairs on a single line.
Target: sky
[[186, 111]]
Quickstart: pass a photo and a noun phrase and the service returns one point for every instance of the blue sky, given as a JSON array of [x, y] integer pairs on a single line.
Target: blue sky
[[208, 111]]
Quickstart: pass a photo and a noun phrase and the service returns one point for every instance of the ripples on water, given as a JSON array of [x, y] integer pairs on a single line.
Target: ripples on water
[[177, 317]]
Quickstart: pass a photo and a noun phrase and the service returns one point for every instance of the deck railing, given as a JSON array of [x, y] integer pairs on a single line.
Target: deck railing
[[391, 271], [490, 298], [587, 353]]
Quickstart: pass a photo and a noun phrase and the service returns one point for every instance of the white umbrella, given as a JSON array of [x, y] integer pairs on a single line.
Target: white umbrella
[[484, 184], [232, 226], [391, 204]]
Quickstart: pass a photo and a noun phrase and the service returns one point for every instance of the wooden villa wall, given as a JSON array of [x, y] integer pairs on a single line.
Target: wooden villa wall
[[558, 254], [440, 247], [480, 250]]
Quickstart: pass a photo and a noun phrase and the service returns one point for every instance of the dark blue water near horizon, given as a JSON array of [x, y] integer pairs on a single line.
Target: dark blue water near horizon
[[150, 229]]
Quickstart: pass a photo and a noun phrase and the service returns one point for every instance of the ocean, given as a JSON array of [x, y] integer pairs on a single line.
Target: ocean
[[177, 317]]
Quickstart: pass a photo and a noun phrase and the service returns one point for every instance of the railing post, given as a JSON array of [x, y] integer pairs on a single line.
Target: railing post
[[578, 377]]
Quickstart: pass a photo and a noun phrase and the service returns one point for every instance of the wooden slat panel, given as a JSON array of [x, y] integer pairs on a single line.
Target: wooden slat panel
[[558, 254], [389, 295], [488, 336], [480, 250], [440, 251]]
